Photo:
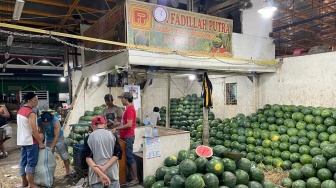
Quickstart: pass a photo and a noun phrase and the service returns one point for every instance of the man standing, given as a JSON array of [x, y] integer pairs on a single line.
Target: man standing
[[111, 113], [127, 134], [102, 151], [155, 116], [29, 139], [4, 115], [54, 137]]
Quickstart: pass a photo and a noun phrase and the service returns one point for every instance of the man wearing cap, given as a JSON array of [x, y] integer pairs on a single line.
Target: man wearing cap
[[54, 137], [112, 113], [29, 138], [127, 133], [102, 151]]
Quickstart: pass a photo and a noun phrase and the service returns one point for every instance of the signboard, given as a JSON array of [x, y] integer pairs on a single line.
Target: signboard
[[153, 147], [135, 90], [110, 27], [177, 30]]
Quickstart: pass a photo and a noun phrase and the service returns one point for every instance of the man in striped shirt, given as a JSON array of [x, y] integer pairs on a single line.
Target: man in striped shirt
[[29, 138]]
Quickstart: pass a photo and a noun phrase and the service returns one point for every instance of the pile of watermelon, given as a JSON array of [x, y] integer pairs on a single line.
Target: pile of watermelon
[[185, 110], [296, 138], [162, 122], [89, 115], [187, 170]]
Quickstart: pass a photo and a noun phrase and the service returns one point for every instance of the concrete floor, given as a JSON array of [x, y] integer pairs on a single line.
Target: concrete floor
[[9, 173]]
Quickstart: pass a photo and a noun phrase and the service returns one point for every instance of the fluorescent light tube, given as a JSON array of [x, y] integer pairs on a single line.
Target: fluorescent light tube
[[52, 75], [18, 9], [10, 40], [6, 55], [6, 74]]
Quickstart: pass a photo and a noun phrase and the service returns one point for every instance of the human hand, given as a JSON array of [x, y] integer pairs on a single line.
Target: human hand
[[102, 168], [41, 146], [105, 180], [114, 130]]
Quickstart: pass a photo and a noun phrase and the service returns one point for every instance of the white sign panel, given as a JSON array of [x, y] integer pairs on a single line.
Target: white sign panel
[[135, 90], [153, 147]]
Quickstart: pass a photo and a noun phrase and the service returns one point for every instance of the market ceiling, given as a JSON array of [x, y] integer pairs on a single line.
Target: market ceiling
[[298, 24]]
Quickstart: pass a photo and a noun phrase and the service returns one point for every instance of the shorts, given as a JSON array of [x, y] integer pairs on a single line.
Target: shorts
[[29, 158], [129, 150], [8, 131], [62, 148], [114, 184]]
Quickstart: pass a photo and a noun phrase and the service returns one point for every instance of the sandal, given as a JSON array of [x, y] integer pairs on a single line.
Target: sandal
[[23, 186], [71, 175], [3, 156], [132, 183]]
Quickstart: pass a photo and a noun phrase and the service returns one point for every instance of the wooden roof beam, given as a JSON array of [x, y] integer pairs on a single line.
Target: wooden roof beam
[[65, 5], [29, 22], [306, 11], [64, 19]]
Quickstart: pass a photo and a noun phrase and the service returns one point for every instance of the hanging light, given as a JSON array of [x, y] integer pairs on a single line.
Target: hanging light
[[44, 60], [18, 9], [268, 10], [62, 79], [192, 77], [95, 78]]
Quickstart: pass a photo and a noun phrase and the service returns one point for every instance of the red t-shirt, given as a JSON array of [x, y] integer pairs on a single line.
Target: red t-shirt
[[128, 114]]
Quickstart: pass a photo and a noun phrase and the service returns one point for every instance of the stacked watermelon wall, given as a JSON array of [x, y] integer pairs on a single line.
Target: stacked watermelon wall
[[305, 80], [157, 93], [90, 97]]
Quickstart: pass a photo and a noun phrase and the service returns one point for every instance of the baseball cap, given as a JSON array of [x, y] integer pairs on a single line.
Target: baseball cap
[[46, 117], [126, 95], [108, 97], [98, 120], [29, 96]]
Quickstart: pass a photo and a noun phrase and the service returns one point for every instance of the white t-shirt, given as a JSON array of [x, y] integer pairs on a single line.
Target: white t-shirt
[[154, 118]]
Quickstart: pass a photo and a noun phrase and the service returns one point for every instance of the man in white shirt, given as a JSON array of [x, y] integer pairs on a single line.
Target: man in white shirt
[[155, 116]]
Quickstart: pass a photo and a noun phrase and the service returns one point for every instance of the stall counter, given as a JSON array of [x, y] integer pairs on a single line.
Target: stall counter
[[155, 150]]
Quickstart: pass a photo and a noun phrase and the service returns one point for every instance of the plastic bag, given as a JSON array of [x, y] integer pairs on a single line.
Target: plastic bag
[[45, 168]]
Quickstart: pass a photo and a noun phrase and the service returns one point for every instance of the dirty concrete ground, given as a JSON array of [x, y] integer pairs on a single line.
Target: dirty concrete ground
[[9, 171]]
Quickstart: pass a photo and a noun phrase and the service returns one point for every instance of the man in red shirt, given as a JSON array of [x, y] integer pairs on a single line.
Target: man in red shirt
[[127, 133]]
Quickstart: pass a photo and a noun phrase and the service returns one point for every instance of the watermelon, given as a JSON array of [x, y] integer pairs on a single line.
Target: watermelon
[[201, 163], [244, 164], [328, 184], [177, 181], [332, 164], [194, 181], [319, 162], [229, 164], [329, 151], [149, 181], [170, 161], [242, 177], [299, 184], [256, 175], [324, 174], [308, 171], [158, 184], [254, 184], [286, 182], [268, 184], [182, 155], [211, 180], [313, 182], [295, 174], [204, 151], [228, 179], [187, 167], [215, 166], [169, 175], [161, 172]]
